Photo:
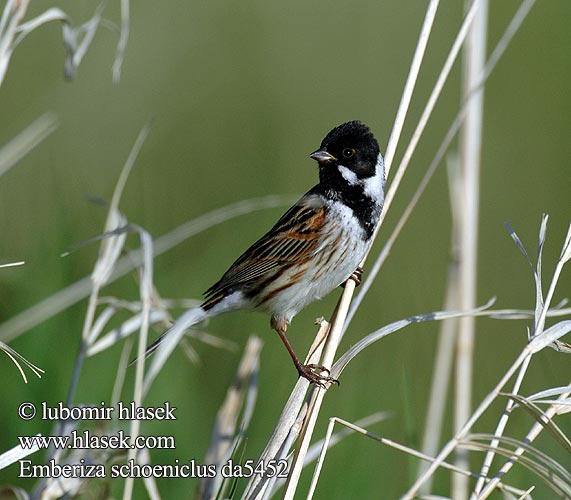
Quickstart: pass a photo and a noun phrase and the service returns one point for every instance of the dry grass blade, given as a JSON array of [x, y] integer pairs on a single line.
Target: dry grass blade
[[11, 25], [365, 342], [516, 455], [519, 244], [483, 406], [539, 340], [410, 82], [566, 250], [403, 166], [542, 419], [26, 141], [358, 427], [12, 264], [556, 476], [123, 38], [53, 14], [127, 328], [546, 338], [319, 449], [77, 41], [17, 359], [227, 434], [100, 323], [17, 453], [539, 307], [538, 397], [81, 289], [111, 248]]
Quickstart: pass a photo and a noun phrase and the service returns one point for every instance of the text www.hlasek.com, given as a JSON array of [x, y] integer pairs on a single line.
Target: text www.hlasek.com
[[86, 440]]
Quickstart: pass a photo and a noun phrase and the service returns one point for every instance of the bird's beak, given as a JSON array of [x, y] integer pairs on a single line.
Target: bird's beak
[[322, 156]]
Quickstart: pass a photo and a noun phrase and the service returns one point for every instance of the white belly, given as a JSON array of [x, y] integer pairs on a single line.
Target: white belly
[[340, 252]]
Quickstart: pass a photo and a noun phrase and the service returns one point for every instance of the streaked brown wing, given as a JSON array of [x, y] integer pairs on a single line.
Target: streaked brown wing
[[294, 237]]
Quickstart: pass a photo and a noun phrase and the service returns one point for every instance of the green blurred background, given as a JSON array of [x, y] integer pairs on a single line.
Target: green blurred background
[[241, 93]]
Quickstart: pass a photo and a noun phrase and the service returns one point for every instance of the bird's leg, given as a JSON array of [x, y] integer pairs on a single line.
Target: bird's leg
[[306, 371], [356, 277]]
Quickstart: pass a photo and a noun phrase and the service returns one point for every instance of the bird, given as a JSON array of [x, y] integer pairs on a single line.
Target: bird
[[316, 246]]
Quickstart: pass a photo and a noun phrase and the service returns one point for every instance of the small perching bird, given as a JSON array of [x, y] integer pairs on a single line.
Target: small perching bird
[[314, 247]]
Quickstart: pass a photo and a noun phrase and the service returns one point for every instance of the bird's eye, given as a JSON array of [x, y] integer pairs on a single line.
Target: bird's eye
[[348, 152]]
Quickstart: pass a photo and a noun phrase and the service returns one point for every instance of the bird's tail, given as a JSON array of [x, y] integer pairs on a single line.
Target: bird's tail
[[170, 338], [165, 344]]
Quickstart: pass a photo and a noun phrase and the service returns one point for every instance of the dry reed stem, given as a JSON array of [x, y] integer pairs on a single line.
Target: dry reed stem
[[470, 153]]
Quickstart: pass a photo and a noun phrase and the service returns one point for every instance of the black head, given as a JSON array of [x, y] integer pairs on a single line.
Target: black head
[[351, 145]]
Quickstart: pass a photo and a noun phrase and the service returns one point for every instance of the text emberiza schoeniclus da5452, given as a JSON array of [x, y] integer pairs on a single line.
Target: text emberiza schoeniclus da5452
[[315, 246]]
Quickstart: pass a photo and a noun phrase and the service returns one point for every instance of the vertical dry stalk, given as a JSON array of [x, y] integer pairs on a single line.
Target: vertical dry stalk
[[336, 331], [470, 149], [446, 339], [74, 293]]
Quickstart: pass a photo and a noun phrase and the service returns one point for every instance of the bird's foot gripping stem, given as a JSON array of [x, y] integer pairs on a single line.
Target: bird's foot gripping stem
[[356, 277]]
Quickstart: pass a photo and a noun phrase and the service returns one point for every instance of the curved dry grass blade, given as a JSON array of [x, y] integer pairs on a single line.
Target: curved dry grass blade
[[566, 250], [529, 438], [541, 308], [53, 14], [13, 13], [99, 324], [76, 51], [365, 342], [538, 396], [539, 415], [556, 476], [546, 338], [111, 248], [482, 407], [127, 328], [17, 358], [81, 289], [520, 245]]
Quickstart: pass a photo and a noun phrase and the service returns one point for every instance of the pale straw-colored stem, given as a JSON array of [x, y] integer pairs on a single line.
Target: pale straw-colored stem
[[470, 152]]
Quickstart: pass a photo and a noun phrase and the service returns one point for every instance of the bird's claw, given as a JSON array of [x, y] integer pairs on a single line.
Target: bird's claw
[[310, 372], [356, 277]]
